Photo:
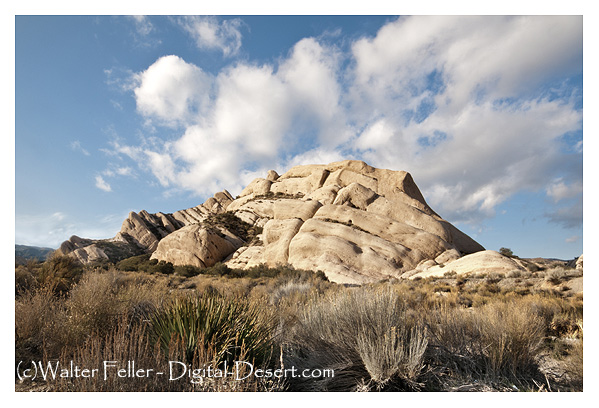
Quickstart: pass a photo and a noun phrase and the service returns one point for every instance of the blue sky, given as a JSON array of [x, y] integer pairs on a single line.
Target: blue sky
[[119, 114]]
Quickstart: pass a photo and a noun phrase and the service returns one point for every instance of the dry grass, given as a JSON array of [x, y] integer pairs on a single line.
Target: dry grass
[[130, 342], [365, 335], [473, 332]]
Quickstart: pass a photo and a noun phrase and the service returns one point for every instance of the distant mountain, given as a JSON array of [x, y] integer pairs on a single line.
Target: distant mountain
[[23, 253]]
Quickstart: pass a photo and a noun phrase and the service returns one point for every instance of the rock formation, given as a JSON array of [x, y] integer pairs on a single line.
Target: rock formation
[[354, 222], [483, 261]]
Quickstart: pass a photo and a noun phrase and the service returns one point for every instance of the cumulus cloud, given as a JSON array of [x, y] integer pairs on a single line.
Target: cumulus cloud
[[475, 108], [172, 91], [461, 103], [241, 121], [210, 33]]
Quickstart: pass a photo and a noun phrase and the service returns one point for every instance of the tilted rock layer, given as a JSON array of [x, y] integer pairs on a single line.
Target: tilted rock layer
[[352, 221]]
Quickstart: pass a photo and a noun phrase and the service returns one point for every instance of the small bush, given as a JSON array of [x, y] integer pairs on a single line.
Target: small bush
[[514, 274], [229, 325], [24, 279], [135, 263], [450, 274], [40, 324], [163, 267], [365, 335], [187, 271], [60, 272], [493, 341], [506, 252]]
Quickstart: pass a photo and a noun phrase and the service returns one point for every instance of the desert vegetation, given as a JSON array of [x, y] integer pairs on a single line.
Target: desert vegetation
[[518, 331]]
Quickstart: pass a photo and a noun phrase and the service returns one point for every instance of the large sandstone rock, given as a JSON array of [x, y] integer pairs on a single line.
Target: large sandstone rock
[[196, 245], [480, 262], [141, 232], [354, 222]]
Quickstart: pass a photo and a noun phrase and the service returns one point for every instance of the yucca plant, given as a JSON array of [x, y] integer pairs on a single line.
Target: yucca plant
[[225, 325]]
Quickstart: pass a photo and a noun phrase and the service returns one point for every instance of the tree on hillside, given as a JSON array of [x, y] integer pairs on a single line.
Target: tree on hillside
[[506, 252]]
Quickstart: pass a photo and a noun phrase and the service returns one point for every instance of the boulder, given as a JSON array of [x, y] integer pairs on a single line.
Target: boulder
[[484, 262], [196, 245]]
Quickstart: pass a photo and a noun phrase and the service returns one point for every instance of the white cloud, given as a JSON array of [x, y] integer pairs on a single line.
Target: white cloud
[[143, 25], [460, 102], [102, 184], [559, 190], [469, 105], [124, 171], [209, 33], [76, 146], [252, 118], [572, 239], [51, 230], [172, 91]]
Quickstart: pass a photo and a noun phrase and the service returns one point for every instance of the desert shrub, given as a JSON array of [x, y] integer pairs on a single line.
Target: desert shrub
[[574, 363], [218, 269], [494, 277], [226, 323], [129, 341], [99, 300], [514, 274], [497, 340], [233, 224], [187, 271], [555, 276], [41, 324], [506, 252], [450, 274], [365, 335], [289, 289], [60, 272], [93, 303], [134, 263], [163, 267], [24, 279]]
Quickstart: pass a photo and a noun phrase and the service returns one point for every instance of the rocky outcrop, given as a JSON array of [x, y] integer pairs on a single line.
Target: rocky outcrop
[[579, 265], [484, 262], [197, 245], [354, 222], [141, 232]]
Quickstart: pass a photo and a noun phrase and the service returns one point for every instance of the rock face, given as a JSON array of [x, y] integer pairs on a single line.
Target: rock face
[[197, 246], [354, 222], [479, 262], [141, 232]]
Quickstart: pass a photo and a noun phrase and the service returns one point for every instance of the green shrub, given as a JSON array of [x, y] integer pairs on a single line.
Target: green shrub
[[506, 252], [228, 325], [233, 224], [135, 263], [163, 267], [187, 271]]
